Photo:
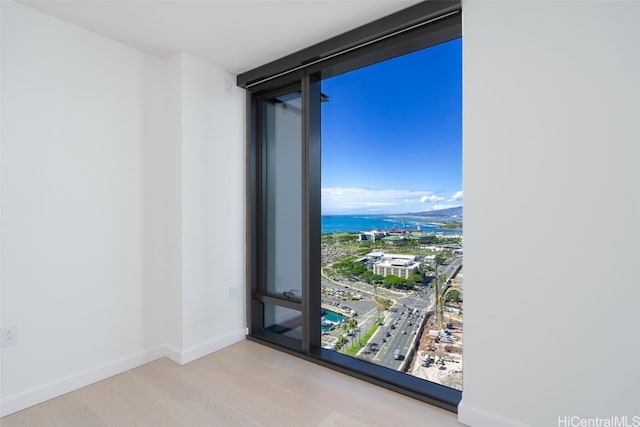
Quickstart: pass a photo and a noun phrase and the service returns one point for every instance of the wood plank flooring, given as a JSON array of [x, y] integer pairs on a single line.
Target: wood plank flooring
[[246, 384]]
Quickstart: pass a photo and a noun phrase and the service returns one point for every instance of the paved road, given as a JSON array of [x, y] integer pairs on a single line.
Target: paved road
[[402, 327], [451, 267]]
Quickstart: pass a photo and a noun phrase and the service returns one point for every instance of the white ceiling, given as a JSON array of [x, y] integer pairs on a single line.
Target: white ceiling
[[235, 34]]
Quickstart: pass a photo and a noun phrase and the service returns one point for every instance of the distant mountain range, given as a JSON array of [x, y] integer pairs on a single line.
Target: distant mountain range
[[439, 212]]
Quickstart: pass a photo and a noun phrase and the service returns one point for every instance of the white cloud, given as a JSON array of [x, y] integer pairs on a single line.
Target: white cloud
[[341, 200], [431, 199], [456, 196]]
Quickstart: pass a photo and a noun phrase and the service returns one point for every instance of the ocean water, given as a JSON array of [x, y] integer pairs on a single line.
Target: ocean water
[[358, 223]]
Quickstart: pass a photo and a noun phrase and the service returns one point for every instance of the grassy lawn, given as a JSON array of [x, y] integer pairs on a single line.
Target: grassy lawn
[[355, 347]]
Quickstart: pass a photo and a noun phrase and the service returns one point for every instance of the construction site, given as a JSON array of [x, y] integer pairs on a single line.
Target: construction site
[[438, 355]]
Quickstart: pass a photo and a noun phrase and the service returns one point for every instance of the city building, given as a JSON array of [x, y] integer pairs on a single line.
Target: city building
[[396, 267], [401, 265], [422, 237], [372, 236], [393, 240]]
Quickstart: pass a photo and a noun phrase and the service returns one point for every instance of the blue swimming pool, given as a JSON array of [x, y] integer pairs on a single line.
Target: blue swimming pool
[[330, 318]]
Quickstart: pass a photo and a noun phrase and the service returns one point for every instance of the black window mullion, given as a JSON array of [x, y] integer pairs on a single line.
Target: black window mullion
[[255, 311], [311, 212]]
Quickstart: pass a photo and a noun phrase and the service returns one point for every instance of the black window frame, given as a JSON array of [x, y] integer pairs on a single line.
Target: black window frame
[[418, 27]]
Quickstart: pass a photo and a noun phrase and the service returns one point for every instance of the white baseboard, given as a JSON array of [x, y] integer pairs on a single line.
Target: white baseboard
[[173, 354], [474, 417], [218, 343], [42, 393]]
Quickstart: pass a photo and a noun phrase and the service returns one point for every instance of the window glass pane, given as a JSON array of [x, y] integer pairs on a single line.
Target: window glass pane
[[392, 214], [283, 124], [283, 321]]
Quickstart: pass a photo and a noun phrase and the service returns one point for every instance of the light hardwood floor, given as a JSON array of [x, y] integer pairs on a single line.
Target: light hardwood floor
[[246, 384]]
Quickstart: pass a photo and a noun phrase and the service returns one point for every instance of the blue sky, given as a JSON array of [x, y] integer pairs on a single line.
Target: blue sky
[[392, 135]]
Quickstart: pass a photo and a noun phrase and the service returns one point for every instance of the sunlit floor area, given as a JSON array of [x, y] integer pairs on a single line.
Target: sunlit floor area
[[246, 384]]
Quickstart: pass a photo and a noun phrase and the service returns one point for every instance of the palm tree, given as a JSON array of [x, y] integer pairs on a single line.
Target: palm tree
[[353, 324], [344, 326]]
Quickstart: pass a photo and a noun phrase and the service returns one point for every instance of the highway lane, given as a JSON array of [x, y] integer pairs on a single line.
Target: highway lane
[[400, 328], [402, 316], [451, 266]]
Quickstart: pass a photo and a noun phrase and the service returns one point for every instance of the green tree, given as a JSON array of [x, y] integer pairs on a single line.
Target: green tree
[[366, 276], [393, 281], [344, 326], [353, 324], [341, 341], [427, 267], [453, 295], [358, 268], [415, 279], [376, 278]]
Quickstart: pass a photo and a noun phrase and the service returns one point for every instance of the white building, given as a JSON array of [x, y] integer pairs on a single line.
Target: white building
[[400, 267], [373, 236]]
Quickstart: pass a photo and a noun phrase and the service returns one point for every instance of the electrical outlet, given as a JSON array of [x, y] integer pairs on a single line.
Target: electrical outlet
[[9, 336], [233, 293]]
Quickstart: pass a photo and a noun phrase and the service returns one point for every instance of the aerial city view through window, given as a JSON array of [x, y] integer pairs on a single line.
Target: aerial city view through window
[[392, 276]]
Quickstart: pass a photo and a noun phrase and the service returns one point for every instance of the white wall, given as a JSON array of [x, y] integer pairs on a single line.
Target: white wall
[[106, 154], [213, 238], [551, 107], [173, 180], [121, 216], [76, 119]]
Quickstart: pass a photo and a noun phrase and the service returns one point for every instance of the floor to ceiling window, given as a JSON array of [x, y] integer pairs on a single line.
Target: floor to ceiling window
[[354, 198], [392, 214]]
